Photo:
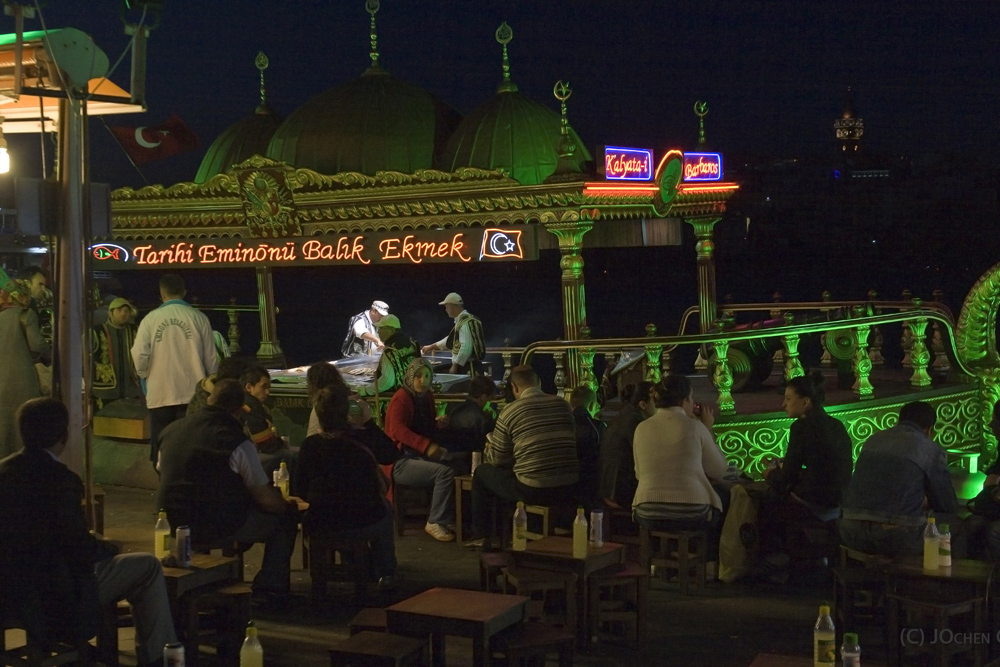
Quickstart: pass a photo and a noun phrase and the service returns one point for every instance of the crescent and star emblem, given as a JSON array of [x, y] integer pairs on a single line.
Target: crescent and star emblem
[[508, 245], [139, 139]]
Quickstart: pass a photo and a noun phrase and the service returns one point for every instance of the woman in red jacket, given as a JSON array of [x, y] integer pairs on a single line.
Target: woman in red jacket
[[411, 421]]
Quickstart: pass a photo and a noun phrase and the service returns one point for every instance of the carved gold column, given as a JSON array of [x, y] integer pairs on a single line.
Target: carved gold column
[[569, 231], [269, 353], [705, 249]]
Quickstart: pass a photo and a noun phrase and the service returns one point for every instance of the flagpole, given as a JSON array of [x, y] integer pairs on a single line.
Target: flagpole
[[144, 180]]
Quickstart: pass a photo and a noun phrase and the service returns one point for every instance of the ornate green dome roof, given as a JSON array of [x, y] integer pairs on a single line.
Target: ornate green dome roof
[[511, 132], [238, 142], [374, 123]]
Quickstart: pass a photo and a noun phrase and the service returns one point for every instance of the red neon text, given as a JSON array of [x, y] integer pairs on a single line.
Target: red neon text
[[701, 169], [177, 253], [416, 251], [343, 250], [624, 165], [212, 254]]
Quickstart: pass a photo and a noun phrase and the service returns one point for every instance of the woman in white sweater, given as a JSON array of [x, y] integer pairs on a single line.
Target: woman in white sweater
[[676, 458]]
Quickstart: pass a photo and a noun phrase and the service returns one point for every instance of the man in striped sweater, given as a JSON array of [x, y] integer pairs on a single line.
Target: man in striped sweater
[[530, 455]]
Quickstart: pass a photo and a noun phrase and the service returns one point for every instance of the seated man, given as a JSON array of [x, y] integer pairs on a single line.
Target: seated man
[[54, 573], [230, 368], [211, 480], [884, 506], [397, 354], [256, 383], [618, 481], [344, 486], [468, 423], [530, 455], [583, 401]]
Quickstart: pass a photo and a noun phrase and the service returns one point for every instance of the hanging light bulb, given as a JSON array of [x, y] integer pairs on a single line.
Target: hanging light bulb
[[4, 157]]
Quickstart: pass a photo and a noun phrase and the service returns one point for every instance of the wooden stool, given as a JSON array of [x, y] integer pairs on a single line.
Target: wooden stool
[[463, 485], [378, 649], [322, 567], [370, 619], [215, 615], [941, 609], [406, 498], [491, 567], [690, 547], [552, 595], [534, 641], [617, 596], [541, 511]]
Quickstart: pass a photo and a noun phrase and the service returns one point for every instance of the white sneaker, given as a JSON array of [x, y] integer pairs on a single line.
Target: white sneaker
[[438, 532]]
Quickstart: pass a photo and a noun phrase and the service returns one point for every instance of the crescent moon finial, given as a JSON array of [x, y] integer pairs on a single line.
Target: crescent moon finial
[[372, 7]]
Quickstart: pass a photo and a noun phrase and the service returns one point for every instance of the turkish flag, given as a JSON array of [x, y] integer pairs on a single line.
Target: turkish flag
[[145, 144]]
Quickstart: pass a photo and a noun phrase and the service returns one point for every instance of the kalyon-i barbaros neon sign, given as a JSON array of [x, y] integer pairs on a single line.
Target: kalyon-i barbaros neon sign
[[702, 167], [462, 245]]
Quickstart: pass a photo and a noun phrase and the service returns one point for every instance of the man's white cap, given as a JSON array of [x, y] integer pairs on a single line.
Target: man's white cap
[[452, 298], [381, 306]]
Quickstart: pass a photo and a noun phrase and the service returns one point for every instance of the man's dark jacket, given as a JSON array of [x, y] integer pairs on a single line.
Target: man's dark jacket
[[197, 487], [47, 555]]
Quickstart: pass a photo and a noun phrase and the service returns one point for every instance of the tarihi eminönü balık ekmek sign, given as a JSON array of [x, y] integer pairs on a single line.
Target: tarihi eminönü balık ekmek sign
[[457, 245]]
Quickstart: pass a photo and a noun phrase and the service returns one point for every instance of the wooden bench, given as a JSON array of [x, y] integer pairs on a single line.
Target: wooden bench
[[378, 649]]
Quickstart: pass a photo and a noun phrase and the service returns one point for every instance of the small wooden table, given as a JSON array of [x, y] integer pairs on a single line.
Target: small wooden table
[[205, 570], [463, 483], [775, 660], [450, 611], [556, 553]]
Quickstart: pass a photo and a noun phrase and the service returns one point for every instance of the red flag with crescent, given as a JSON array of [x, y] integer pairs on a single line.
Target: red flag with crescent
[[145, 144]]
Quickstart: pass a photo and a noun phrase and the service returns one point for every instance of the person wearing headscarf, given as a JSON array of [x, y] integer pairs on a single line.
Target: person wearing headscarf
[[411, 421], [18, 377]]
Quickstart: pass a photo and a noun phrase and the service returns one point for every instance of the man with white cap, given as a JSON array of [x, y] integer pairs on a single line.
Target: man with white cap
[[362, 335], [466, 341], [111, 342]]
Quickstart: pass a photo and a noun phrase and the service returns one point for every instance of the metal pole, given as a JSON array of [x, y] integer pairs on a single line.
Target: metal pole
[[70, 288], [269, 353]]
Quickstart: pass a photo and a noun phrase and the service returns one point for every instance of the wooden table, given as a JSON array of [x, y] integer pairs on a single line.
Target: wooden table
[[973, 577], [205, 570], [775, 660], [450, 611], [463, 483], [556, 554]]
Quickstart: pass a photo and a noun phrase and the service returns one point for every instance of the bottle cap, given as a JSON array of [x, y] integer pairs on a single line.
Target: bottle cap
[[824, 610], [579, 510], [931, 519], [850, 639], [251, 629], [943, 527], [284, 464], [520, 504]]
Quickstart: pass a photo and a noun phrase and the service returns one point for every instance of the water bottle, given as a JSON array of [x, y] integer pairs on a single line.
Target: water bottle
[[850, 652], [824, 639], [252, 653], [580, 534], [520, 528], [282, 479], [597, 528], [944, 547], [161, 536], [931, 545]]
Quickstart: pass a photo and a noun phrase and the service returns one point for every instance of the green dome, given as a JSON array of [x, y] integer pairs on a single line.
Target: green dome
[[240, 141], [511, 132], [374, 123]]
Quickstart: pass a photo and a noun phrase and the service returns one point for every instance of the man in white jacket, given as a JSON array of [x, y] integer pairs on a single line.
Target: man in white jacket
[[173, 351]]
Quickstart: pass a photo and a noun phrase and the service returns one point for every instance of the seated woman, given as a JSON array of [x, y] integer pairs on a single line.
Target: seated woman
[[818, 462], [676, 459], [345, 489], [322, 375], [410, 420]]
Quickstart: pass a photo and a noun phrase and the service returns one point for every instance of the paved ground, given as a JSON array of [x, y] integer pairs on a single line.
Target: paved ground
[[728, 625]]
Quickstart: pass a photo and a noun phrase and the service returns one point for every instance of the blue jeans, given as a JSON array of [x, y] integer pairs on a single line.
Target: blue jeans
[[277, 532], [411, 471], [381, 536]]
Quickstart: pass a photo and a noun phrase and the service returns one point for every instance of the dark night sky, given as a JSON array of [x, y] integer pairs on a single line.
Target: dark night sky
[[774, 73]]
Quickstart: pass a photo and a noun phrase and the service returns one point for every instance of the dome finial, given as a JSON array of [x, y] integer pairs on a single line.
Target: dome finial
[[566, 168], [503, 35], [701, 110], [261, 62], [371, 6]]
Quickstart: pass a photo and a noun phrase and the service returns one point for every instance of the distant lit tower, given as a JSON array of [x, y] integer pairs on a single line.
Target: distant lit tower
[[849, 128]]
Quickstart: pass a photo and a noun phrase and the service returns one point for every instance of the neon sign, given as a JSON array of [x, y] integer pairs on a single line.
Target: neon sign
[[461, 245], [628, 164], [702, 167]]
